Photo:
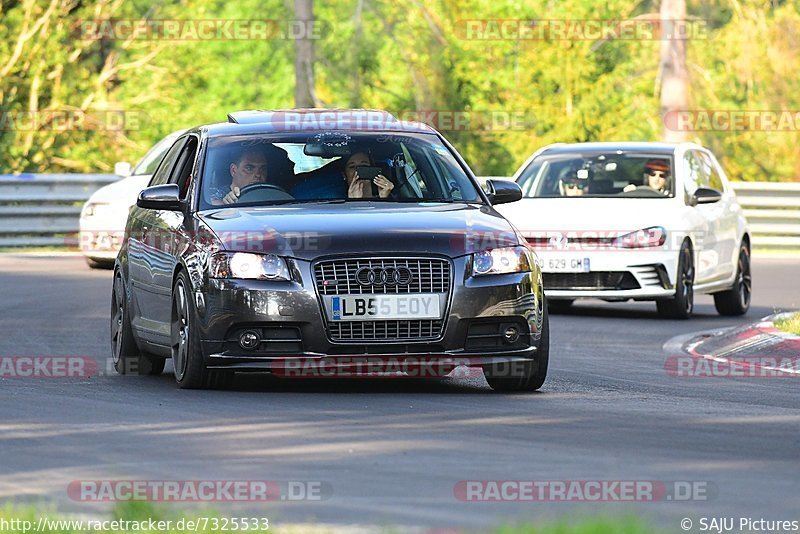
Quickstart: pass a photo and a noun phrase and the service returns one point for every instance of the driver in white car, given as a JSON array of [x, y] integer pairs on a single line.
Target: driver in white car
[[656, 177], [249, 168]]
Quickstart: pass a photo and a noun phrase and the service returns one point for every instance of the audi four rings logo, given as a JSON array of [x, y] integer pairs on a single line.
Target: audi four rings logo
[[384, 276]]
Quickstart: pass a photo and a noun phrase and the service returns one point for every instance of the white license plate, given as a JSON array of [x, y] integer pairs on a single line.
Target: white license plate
[[567, 265], [376, 307]]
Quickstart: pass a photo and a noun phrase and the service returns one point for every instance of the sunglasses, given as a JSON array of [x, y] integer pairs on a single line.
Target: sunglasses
[[659, 174], [574, 186]]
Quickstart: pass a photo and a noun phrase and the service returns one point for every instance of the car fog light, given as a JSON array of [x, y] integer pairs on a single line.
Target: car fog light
[[511, 334], [249, 340]]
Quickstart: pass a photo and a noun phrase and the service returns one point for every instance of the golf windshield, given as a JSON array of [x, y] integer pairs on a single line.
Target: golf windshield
[[614, 174]]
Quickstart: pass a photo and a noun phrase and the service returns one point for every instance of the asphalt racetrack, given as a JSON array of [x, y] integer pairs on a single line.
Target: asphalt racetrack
[[394, 451]]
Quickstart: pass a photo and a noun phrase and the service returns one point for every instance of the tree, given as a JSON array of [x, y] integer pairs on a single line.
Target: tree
[[672, 69], [304, 96]]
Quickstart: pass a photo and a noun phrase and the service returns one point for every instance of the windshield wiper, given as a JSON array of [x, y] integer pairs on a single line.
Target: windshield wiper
[[307, 201]]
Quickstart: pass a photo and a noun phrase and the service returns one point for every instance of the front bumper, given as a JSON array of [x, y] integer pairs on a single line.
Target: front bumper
[[100, 237], [644, 274], [290, 315]]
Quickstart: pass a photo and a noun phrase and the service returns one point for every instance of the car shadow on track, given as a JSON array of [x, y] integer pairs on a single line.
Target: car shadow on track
[[471, 381], [266, 382], [648, 311]]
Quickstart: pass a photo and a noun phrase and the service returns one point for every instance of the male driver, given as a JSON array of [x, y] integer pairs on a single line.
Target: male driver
[[656, 177], [657, 173], [249, 168]]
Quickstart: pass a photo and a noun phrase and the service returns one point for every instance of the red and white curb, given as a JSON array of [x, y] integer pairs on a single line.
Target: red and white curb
[[759, 346]]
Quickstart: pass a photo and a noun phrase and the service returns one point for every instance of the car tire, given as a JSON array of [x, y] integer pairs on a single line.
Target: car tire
[[559, 305], [736, 300], [532, 375], [187, 358], [99, 264], [125, 354], [681, 305]]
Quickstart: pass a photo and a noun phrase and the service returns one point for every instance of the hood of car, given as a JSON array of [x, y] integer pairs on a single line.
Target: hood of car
[[308, 231], [602, 215], [122, 192]]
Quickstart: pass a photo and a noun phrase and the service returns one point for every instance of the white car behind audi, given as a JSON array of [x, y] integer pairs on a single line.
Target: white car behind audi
[[103, 217], [642, 221]]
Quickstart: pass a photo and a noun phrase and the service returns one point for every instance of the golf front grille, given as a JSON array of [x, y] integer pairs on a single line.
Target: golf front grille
[[599, 280]]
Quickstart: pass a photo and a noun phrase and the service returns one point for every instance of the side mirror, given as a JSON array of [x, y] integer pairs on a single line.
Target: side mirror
[[160, 197], [705, 195], [122, 168], [502, 191]]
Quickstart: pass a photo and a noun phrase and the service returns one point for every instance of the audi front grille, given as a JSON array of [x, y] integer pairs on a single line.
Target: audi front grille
[[358, 276]]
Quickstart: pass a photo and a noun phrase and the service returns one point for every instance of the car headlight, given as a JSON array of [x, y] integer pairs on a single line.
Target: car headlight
[[655, 236], [502, 261], [88, 209], [248, 266]]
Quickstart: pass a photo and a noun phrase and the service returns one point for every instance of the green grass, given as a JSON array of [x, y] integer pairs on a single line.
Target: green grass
[[790, 324], [626, 525], [144, 511]]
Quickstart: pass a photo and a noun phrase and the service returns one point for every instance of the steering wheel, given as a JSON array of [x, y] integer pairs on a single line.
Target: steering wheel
[[261, 192], [641, 190]]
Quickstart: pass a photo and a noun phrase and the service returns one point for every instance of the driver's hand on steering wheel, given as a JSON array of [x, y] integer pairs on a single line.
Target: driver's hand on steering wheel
[[232, 197], [629, 188]]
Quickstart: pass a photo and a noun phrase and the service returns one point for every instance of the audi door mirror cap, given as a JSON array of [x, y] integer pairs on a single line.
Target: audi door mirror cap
[[160, 197], [706, 195], [502, 191]]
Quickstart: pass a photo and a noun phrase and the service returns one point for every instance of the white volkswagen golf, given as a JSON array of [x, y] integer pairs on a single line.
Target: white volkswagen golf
[[103, 217], [642, 221]]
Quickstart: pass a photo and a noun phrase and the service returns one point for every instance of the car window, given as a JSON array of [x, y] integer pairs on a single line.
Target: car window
[[162, 174], [295, 167], [149, 163], [181, 172], [714, 180], [303, 163], [599, 174], [527, 179], [694, 173]]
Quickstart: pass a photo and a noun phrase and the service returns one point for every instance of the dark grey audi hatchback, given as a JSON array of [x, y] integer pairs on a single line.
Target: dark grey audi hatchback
[[325, 243]]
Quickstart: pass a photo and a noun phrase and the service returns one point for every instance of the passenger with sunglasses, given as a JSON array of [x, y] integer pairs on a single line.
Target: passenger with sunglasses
[[570, 184]]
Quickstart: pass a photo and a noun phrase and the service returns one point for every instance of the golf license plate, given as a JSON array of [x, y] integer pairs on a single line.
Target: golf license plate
[[377, 307], [567, 265]]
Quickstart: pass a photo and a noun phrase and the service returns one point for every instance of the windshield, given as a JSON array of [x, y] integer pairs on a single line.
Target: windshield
[[612, 174], [331, 166], [149, 163]]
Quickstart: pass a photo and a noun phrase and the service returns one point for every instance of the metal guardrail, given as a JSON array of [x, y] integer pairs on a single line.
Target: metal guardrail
[[772, 209], [43, 209]]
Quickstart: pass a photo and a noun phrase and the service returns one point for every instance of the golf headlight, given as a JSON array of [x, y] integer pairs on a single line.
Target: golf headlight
[[88, 209], [249, 266], [655, 236], [502, 261]]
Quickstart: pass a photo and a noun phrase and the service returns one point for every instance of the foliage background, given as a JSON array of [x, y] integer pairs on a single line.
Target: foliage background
[[399, 56]]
